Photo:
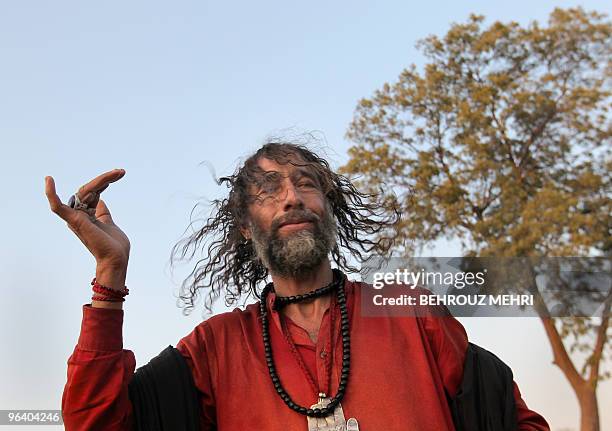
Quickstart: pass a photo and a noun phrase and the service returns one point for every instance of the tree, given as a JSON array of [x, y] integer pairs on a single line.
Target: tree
[[502, 140]]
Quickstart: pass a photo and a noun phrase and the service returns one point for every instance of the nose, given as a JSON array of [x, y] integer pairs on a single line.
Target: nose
[[293, 198]]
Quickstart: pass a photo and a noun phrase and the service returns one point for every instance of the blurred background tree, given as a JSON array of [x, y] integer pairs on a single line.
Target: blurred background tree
[[502, 141]]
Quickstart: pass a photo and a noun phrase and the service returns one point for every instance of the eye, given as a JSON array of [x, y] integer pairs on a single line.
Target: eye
[[270, 183], [306, 184]]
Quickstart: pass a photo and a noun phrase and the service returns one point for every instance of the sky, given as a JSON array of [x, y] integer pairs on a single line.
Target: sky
[[158, 88]]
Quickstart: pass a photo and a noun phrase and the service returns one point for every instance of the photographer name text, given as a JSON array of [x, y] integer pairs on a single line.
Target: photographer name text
[[453, 300]]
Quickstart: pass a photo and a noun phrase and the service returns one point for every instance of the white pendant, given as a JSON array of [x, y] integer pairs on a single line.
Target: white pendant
[[352, 425], [333, 422]]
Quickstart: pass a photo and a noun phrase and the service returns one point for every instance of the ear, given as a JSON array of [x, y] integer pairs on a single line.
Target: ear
[[246, 231]]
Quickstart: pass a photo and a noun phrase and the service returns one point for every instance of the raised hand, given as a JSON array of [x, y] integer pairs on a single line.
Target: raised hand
[[102, 237]]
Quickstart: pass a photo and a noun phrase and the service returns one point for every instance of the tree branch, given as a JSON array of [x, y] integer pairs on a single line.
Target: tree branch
[[600, 343], [560, 355]]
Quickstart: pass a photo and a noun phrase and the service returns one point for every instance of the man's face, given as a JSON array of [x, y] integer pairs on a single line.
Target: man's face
[[291, 221]]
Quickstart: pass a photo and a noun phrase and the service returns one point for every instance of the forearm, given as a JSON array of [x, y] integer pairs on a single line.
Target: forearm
[[528, 420], [99, 370]]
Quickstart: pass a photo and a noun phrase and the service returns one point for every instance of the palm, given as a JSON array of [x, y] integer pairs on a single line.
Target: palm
[[102, 237], [107, 240]]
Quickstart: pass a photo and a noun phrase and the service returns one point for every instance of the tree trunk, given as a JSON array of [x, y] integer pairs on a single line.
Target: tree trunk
[[585, 389], [589, 411], [585, 392]]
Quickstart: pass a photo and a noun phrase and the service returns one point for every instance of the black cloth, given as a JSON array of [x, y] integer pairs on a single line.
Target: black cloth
[[485, 399], [163, 395]]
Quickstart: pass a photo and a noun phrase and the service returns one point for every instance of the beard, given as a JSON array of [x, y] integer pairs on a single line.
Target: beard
[[298, 253]]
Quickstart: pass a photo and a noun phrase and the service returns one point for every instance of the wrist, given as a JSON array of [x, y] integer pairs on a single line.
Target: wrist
[[105, 304], [111, 275]]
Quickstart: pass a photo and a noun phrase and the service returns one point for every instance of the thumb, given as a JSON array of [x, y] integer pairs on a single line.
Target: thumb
[[103, 213]]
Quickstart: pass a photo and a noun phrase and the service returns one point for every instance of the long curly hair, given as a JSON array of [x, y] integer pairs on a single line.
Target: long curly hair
[[230, 265]]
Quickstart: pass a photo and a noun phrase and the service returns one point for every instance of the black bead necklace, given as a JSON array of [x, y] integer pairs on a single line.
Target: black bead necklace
[[282, 301], [337, 284]]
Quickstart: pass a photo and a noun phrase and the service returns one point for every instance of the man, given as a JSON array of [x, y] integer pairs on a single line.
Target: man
[[302, 358]]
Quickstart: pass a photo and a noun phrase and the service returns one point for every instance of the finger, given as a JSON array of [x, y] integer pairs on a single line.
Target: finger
[[100, 183], [56, 205], [103, 213], [75, 219]]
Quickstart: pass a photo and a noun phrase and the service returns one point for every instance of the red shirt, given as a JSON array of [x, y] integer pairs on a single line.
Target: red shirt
[[401, 370]]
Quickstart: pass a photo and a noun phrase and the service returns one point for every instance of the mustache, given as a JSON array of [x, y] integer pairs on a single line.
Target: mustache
[[297, 216]]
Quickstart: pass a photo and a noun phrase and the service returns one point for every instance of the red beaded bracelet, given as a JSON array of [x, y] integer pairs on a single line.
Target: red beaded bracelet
[[105, 290], [106, 298]]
